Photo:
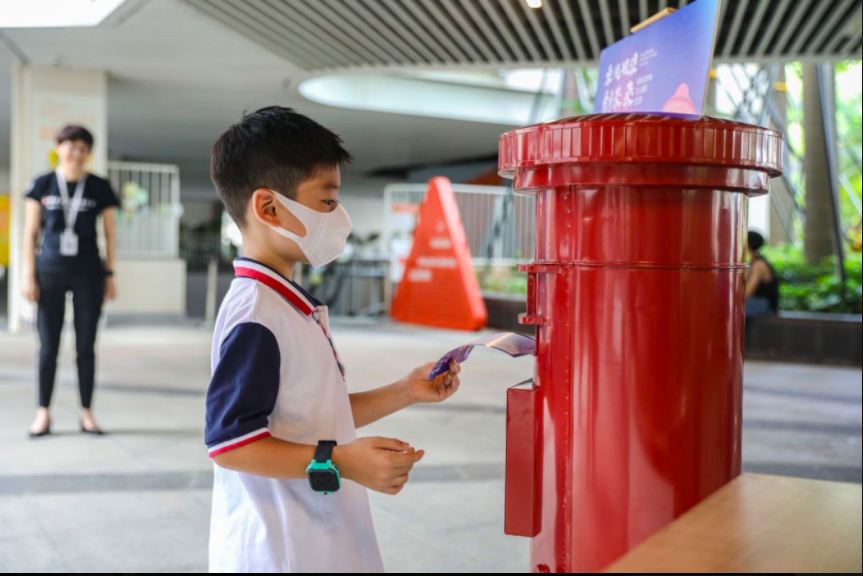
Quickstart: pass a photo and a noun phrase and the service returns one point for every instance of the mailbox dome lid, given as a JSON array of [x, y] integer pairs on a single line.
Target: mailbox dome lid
[[641, 139]]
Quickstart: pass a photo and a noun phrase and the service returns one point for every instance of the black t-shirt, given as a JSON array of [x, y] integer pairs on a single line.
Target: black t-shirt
[[98, 196]]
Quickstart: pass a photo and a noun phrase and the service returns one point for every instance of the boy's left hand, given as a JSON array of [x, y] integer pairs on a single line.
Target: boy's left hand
[[423, 392]]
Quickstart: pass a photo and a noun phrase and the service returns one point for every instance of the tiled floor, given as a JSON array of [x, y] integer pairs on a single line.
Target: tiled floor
[[138, 499]]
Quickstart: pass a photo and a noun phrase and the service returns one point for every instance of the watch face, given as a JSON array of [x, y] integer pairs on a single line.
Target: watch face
[[324, 480]]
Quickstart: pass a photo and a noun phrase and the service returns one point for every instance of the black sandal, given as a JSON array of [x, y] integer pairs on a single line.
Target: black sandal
[[95, 432], [44, 432]]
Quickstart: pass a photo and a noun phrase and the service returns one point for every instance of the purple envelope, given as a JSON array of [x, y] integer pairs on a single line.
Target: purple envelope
[[515, 345]]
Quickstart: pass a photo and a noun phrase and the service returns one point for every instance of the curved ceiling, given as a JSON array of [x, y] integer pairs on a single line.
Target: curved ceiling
[[326, 35]]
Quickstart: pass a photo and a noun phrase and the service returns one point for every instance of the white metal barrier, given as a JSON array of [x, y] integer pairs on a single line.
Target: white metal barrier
[[148, 223], [500, 226]]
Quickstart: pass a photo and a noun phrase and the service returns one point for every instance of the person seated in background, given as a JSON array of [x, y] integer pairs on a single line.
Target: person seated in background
[[762, 281]]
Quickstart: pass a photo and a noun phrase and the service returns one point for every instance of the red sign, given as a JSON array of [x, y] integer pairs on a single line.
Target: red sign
[[439, 287]]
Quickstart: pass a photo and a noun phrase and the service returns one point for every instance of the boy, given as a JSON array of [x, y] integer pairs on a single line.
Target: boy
[[290, 474]]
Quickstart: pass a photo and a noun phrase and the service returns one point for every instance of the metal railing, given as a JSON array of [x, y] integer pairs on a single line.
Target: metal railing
[[148, 224], [500, 226]]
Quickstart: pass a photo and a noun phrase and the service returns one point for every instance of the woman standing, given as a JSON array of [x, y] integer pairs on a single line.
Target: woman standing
[[63, 206]]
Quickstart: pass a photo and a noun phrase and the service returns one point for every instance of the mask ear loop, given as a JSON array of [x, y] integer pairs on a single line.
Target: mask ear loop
[[314, 232], [293, 236]]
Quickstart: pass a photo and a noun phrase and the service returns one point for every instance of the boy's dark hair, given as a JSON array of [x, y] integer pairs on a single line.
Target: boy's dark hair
[[273, 148], [756, 241], [74, 133]]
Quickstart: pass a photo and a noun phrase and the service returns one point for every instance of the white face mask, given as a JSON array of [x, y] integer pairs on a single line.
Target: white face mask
[[326, 232]]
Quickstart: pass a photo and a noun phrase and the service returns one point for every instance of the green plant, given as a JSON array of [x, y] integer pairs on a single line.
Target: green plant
[[804, 288], [816, 288], [503, 281]]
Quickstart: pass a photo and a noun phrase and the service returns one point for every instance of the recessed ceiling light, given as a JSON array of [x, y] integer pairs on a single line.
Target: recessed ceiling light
[[55, 13], [534, 3]]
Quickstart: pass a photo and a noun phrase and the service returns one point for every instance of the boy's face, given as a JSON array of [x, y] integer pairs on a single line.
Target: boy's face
[[320, 193]]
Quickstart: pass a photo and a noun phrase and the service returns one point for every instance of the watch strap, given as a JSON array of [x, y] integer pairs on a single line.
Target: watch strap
[[324, 451]]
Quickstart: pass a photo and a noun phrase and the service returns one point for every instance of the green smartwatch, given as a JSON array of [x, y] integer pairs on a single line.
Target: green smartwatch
[[323, 474]]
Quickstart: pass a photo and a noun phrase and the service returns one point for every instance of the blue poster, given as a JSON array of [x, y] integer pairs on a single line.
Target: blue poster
[[664, 68]]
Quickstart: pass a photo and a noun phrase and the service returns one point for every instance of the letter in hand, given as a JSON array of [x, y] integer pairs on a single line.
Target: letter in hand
[[441, 388], [379, 464]]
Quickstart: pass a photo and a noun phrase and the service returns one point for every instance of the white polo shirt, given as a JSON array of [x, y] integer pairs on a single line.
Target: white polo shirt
[[276, 373]]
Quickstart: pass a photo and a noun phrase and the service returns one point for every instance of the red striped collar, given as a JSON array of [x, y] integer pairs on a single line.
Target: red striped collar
[[290, 291]]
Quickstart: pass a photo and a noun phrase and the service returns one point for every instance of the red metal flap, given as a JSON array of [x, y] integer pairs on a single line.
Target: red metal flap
[[522, 511]]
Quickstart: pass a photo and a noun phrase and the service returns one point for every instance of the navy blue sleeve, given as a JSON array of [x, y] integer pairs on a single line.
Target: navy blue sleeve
[[243, 390]]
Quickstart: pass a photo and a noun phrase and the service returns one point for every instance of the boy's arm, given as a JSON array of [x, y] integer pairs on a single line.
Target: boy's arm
[[241, 397], [380, 464], [269, 457], [371, 406]]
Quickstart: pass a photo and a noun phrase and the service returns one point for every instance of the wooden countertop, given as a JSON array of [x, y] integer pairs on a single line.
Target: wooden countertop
[[760, 524]]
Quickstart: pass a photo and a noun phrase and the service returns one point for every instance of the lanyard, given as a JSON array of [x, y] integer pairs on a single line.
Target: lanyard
[[70, 209], [316, 315], [293, 298]]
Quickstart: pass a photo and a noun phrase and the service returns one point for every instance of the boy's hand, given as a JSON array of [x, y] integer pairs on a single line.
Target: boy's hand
[[422, 391], [380, 464]]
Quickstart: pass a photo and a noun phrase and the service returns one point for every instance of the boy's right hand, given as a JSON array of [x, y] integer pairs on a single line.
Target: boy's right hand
[[380, 464]]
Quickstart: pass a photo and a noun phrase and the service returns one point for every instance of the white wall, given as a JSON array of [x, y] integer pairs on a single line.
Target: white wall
[[150, 287]]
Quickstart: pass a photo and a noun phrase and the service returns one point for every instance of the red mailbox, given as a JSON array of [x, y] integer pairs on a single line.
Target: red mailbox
[[637, 296]]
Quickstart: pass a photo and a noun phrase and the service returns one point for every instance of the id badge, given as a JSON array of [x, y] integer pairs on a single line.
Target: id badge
[[68, 243]]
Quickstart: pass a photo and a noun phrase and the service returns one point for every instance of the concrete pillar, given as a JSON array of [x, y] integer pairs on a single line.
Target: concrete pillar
[[569, 98], [818, 243], [782, 215], [759, 213], [43, 101]]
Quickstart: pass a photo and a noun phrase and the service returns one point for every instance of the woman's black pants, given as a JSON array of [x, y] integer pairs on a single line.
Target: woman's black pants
[[88, 292]]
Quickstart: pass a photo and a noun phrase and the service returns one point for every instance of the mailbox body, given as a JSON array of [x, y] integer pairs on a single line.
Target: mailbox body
[[637, 295]]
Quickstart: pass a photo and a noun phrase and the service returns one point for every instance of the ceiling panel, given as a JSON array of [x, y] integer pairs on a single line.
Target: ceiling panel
[[323, 35]]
